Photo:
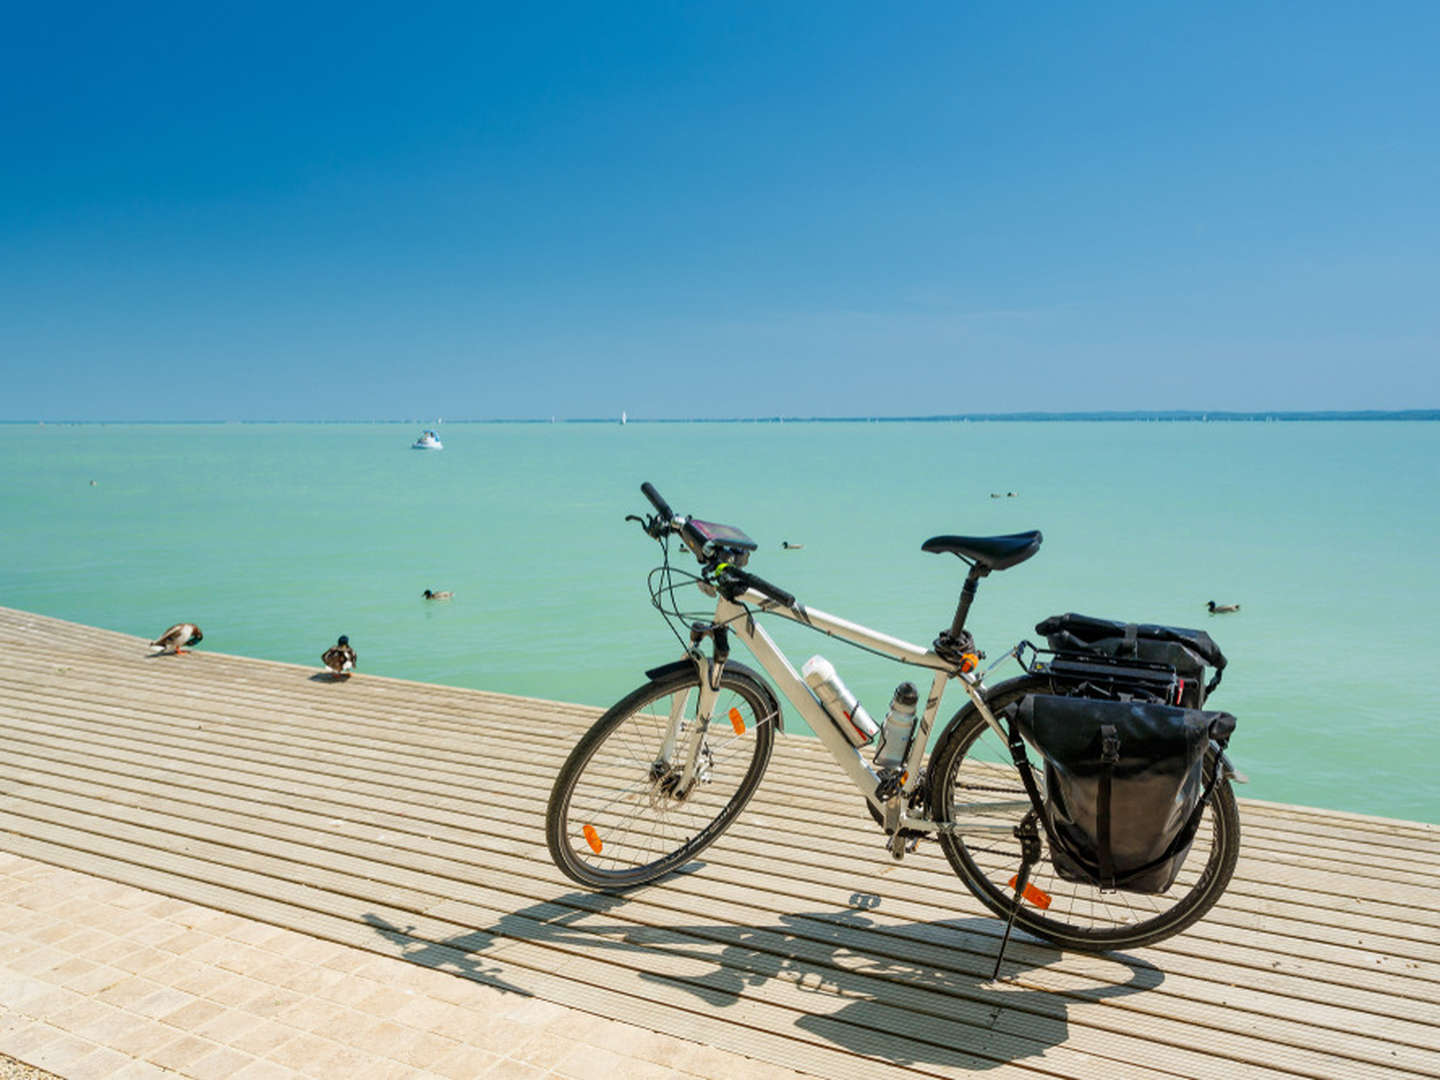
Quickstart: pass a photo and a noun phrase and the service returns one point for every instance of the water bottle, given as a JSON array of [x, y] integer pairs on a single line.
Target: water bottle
[[899, 727], [849, 715]]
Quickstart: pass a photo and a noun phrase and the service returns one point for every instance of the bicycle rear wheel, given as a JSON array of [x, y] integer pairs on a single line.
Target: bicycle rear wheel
[[618, 816], [975, 784]]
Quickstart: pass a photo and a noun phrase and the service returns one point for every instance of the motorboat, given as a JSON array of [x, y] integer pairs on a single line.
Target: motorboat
[[428, 440]]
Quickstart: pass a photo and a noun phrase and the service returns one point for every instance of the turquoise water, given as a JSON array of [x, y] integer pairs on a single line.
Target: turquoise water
[[277, 538]]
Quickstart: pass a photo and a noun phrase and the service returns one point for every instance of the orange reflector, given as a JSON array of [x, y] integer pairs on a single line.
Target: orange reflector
[[968, 663], [1038, 897], [737, 721], [593, 839]]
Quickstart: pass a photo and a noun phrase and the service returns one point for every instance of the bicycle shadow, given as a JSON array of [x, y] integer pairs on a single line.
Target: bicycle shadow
[[444, 956], [913, 994]]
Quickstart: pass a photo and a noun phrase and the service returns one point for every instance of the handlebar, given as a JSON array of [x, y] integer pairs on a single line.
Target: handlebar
[[727, 573], [759, 584], [657, 500]]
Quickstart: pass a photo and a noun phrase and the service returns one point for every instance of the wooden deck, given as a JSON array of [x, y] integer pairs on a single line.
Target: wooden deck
[[407, 819]]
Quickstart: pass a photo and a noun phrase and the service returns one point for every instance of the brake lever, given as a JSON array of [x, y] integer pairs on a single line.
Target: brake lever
[[650, 523]]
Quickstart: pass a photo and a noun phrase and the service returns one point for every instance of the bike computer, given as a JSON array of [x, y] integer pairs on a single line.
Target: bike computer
[[726, 536]]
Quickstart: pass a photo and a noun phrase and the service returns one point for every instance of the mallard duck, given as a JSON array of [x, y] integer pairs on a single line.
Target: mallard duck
[[340, 657], [785, 545], [1222, 609], [432, 595], [178, 636]]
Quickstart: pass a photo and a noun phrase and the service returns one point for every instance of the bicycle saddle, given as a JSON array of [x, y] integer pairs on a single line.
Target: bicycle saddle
[[991, 552]]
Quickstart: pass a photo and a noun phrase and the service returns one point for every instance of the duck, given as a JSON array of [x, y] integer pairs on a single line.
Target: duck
[[178, 636], [340, 658], [787, 546], [1222, 609], [430, 594]]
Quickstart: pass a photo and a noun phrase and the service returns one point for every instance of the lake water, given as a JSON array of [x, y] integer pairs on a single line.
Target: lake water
[[278, 538]]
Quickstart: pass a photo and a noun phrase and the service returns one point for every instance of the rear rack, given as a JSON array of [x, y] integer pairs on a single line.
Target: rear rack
[[1095, 676]]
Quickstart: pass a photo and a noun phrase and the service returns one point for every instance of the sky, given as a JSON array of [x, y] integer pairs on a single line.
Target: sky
[[357, 211]]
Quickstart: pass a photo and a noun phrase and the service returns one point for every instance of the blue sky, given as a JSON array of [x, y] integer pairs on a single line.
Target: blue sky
[[355, 211]]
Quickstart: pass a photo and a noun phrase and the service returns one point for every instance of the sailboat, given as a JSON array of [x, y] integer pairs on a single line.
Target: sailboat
[[622, 417]]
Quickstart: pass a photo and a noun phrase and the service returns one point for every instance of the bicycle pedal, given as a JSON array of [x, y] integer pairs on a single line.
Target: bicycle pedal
[[889, 785]]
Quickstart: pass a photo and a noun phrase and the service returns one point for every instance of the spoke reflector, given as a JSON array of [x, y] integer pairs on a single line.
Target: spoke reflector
[[593, 839], [1039, 897], [737, 721]]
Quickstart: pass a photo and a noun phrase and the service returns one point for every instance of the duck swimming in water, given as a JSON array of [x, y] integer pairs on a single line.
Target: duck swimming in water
[[787, 546], [1222, 609], [431, 595], [340, 658], [178, 636]]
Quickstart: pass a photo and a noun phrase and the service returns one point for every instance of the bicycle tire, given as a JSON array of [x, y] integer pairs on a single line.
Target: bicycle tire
[[972, 765], [614, 788]]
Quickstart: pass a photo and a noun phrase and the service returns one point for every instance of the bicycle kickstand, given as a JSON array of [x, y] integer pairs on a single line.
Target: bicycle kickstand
[[1029, 837]]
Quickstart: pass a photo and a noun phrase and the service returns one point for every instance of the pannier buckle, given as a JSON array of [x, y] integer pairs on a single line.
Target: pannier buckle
[[1109, 744]]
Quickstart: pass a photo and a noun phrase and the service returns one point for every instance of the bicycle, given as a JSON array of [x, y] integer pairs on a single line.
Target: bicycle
[[662, 774]]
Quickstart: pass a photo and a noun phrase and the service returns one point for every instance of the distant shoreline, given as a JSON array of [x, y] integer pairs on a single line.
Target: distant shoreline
[[1170, 417]]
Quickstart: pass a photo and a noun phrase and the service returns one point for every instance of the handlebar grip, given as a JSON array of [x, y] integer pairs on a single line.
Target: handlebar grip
[[759, 584], [657, 500]]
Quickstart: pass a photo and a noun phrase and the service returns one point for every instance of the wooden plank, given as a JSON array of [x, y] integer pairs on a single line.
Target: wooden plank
[[359, 749], [1354, 853], [1362, 854]]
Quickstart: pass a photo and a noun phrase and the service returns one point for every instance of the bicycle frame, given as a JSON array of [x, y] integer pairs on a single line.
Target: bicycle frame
[[739, 621]]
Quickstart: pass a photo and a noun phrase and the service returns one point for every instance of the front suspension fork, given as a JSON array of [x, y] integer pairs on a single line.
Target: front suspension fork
[[710, 669]]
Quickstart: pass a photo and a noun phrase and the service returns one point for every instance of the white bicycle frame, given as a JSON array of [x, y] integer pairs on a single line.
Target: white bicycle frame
[[740, 622]]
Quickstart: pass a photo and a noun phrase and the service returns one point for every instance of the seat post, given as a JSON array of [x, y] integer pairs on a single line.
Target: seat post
[[967, 597]]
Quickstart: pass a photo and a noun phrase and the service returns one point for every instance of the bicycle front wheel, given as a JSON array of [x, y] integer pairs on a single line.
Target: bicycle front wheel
[[974, 783], [621, 814]]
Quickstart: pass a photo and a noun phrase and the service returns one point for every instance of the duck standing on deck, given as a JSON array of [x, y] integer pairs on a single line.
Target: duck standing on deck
[[178, 636], [340, 658]]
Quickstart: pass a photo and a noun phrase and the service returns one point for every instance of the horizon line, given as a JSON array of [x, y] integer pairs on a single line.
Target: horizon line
[[1117, 415]]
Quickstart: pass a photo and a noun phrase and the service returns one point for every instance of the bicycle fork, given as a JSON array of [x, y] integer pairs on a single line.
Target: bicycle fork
[[709, 669]]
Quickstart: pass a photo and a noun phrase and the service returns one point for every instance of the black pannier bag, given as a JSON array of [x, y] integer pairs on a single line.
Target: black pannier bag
[[1124, 785], [1124, 739], [1187, 651]]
